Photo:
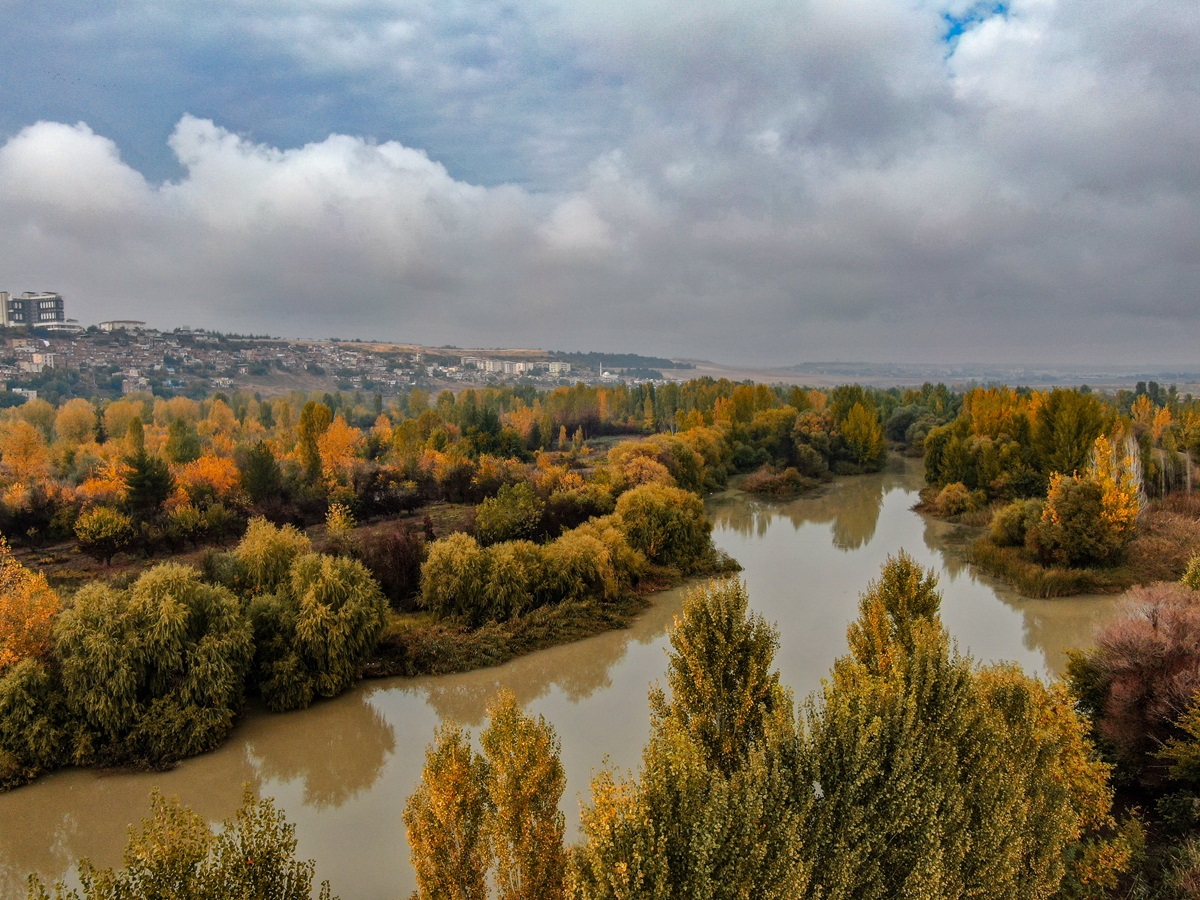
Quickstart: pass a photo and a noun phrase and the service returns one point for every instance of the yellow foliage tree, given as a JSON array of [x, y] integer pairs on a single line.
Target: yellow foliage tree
[[209, 478], [1118, 480], [76, 422], [338, 447], [23, 455]]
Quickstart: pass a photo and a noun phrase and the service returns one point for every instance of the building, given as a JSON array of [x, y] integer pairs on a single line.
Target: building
[[123, 325], [33, 309], [559, 368]]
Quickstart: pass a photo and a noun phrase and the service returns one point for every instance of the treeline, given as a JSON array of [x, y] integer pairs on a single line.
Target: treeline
[[153, 475], [915, 772]]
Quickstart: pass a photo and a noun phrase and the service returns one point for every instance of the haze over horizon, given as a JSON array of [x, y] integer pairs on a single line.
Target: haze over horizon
[[756, 183]]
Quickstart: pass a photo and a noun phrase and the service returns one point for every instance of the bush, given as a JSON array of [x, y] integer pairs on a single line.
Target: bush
[[1191, 577], [33, 736], [567, 509], [772, 482], [1142, 676], [1011, 523]]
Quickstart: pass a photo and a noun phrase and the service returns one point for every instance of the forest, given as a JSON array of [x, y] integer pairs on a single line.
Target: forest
[[168, 561]]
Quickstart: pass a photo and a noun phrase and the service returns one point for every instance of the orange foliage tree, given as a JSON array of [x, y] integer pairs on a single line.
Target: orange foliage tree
[[28, 606]]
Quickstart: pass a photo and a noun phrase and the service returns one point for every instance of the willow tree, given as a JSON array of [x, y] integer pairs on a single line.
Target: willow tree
[[155, 673]]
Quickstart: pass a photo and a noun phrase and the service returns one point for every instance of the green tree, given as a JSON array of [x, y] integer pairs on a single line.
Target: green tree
[[515, 513], [454, 578], [667, 524], [261, 476], [723, 689], [103, 532], [1065, 429], [715, 811], [935, 779], [155, 673], [314, 633], [183, 442], [865, 445], [148, 484], [175, 856], [266, 553], [315, 420]]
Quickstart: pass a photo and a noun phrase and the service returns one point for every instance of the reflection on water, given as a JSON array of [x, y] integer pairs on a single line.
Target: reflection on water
[[342, 770]]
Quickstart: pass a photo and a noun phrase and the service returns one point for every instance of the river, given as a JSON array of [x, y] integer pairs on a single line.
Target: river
[[343, 769]]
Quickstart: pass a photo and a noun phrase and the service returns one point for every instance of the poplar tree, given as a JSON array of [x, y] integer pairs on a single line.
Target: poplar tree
[[525, 781], [446, 820]]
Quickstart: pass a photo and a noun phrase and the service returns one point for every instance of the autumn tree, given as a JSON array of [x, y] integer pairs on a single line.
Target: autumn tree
[[183, 442], [865, 444], [104, 532], [515, 513], [929, 773], [715, 811], [525, 781], [75, 422], [23, 453], [28, 607], [315, 418], [667, 524], [446, 820]]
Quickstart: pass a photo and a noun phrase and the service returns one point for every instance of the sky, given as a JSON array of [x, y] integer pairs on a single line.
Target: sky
[[754, 182]]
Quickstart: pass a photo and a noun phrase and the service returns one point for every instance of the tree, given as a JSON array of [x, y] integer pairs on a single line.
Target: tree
[[75, 422], [525, 781], [667, 524], [23, 454], [155, 673], [454, 578], [515, 513], [175, 855], [718, 808], [723, 690], [313, 634], [148, 483], [266, 553], [103, 532], [446, 820], [28, 607], [261, 477], [183, 442], [315, 418], [935, 779], [863, 435]]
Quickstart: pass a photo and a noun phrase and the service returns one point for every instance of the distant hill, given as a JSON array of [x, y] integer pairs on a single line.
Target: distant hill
[[612, 361]]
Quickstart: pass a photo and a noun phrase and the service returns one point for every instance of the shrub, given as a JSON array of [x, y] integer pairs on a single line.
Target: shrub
[[515, 513], [953, 500], [104, 532], [33, 736], [769, 480], [567, 509], [1191, 577], [1142, 676], [1011, 523]]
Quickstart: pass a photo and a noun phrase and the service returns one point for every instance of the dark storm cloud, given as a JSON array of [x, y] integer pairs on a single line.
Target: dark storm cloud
[[749, 181]]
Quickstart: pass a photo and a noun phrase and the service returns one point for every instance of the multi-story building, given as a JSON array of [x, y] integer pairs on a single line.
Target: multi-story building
[[33, 309]]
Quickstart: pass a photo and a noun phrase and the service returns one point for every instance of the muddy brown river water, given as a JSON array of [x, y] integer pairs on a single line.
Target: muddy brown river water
[[342, 770]]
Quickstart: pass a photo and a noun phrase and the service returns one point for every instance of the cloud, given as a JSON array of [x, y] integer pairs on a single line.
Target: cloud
[[744, 180]]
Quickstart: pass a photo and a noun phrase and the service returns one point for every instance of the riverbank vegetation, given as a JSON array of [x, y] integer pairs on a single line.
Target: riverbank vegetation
[[1079, 492], [155, 662]]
